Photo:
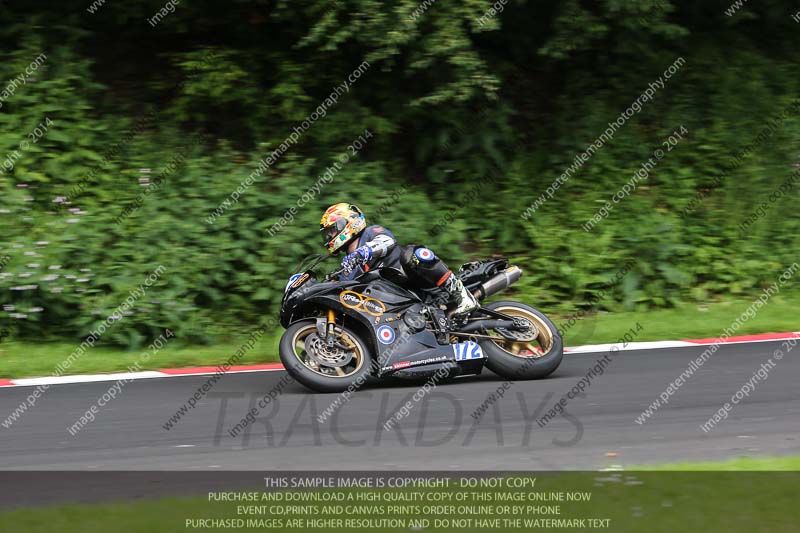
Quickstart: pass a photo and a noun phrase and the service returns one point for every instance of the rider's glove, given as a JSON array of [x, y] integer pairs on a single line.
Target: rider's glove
[[352, 261]]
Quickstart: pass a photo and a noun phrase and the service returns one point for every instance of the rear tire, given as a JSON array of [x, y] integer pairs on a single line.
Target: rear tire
[[533, 359], [300, 364]]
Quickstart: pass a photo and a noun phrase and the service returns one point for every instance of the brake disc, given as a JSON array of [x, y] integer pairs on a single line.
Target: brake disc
[[525, 331], [323, 354]]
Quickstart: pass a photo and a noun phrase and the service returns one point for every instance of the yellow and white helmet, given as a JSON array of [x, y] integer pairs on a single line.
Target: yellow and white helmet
[[340, 224]]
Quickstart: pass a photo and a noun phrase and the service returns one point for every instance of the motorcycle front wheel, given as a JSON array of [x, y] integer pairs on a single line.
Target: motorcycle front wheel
[[324, 367]]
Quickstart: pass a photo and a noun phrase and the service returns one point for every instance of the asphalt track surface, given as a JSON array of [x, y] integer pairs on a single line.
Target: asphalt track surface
[[438, 434]]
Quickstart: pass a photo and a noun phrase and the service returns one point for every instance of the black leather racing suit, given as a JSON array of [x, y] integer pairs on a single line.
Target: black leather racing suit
[[419, 264]]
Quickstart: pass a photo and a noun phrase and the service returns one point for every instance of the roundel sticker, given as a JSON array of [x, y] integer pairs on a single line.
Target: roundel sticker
[[423, 254], [386, 334]]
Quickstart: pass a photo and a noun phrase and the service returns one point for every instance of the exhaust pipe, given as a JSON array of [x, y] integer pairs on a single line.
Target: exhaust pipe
[[499, 282]]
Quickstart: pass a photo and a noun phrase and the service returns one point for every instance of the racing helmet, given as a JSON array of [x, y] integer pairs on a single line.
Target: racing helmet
[[340, 224]]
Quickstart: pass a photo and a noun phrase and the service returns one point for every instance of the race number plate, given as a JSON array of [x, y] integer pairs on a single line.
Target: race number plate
[[467, 350]]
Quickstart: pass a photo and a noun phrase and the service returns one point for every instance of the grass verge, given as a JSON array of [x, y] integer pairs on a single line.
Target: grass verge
[[686, 321], [740, 464]]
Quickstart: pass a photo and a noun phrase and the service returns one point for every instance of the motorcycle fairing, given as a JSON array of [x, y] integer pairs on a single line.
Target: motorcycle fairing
[[408, 349]]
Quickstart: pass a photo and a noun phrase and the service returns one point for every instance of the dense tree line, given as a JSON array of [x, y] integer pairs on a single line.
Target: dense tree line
[[119, 146]]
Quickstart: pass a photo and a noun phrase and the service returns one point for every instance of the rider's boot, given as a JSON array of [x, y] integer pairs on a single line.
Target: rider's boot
[[461, 302]]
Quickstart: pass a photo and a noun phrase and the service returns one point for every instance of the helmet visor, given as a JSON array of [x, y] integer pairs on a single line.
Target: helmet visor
[[330, 232]]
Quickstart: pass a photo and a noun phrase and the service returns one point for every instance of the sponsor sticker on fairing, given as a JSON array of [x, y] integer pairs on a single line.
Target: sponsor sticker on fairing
[[299, 281], [292, 280], [362, 302]]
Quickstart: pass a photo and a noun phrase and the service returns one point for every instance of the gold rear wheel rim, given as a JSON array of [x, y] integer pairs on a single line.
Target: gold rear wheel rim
[[532, 349]]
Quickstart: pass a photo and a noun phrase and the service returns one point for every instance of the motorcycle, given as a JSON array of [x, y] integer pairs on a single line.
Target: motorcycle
[[342, 334]]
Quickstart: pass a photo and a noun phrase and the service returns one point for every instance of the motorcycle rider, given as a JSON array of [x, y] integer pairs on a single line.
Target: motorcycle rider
[[344, 227]]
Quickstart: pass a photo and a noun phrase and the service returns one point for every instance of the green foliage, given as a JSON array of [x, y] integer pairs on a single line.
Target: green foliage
[[472, 121]]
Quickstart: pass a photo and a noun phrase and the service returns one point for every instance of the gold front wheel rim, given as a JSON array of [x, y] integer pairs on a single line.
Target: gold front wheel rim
[[329, 371]]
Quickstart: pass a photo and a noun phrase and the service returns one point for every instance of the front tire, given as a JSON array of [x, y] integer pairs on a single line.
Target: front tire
[[319, 367], [529, 357]]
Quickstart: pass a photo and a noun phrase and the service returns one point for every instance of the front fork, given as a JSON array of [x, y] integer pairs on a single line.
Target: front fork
[[326, 325], [331, 320]]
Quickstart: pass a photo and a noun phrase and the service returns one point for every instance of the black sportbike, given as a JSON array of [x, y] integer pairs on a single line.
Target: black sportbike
[[341, 334]]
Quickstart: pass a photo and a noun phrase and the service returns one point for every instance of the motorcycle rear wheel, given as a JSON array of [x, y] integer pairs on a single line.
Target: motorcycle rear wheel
[[528, 358], [321, 368]]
